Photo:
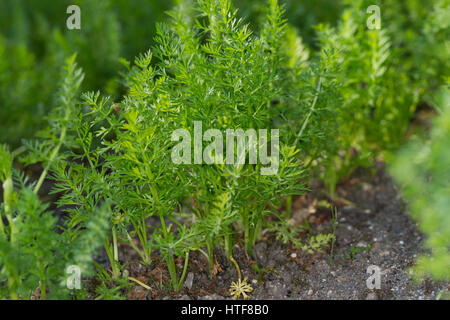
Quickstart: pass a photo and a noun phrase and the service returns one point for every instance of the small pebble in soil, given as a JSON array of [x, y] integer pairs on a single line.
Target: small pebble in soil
[[189, 281], [293, 255], [361, 244]]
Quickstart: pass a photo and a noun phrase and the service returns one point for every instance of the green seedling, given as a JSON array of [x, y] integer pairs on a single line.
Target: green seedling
[[356, 250]]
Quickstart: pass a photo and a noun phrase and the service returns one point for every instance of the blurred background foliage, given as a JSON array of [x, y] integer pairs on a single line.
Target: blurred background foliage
[[34, 41], [422, 170]]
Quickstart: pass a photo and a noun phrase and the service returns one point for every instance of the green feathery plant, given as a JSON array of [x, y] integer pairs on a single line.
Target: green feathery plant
[[34, 255], [376, 103], [380, 83], [421, 169], [124, 149]]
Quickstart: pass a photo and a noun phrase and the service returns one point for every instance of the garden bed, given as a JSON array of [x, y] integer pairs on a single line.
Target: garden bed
[[373, 229]]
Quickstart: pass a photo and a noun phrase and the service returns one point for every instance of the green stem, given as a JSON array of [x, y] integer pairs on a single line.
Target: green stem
[[228, 243], [183, 275], [18, 151], [114, 266], [2, 227], [50, 161], [140, 253], [172, 269], [144, 241], [55, 152], [210, 246], [237, 267], [203, 253], [11, 285], [115, 247], [334, 218], [170, 259], [313, 106], [289, 207]]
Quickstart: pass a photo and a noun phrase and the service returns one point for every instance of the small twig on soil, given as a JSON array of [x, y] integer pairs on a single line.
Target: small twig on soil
[[140, 283]]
